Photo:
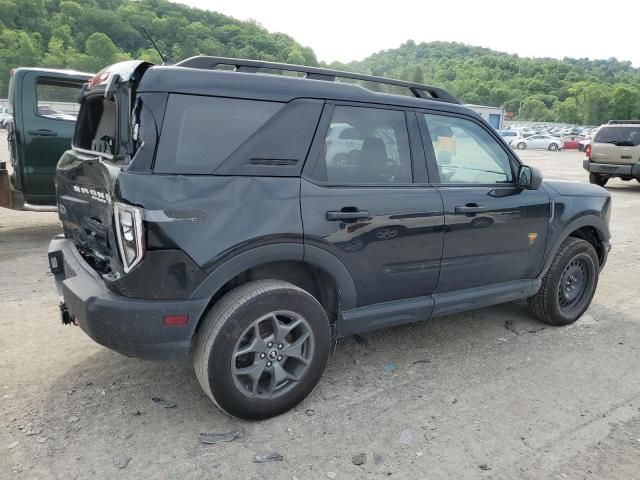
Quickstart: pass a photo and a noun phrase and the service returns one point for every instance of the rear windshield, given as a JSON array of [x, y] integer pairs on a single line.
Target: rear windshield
[[96, 129], [621, 136], [199, 133]]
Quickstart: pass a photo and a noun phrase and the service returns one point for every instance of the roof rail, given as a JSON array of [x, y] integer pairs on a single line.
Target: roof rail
[[623, 122], [315, 73]]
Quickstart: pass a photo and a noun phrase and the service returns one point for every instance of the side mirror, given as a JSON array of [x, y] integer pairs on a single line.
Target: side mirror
[[529, 178]]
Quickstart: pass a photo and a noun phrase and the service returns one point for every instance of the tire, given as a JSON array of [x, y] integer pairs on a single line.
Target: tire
[[521, 146], [217, 358], [598, 179], [556, 306], [553, 147]]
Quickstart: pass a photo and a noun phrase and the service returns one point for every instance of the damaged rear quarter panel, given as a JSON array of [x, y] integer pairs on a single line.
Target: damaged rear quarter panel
[[213, 217]]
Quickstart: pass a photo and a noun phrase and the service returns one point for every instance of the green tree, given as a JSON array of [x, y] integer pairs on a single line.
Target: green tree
[[295, 57], [624, 102]]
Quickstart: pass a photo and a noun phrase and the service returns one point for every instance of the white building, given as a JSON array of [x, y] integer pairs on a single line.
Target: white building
[[493, 115]]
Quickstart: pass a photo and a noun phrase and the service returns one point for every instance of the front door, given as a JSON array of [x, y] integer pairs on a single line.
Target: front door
[[494, 231], [375, 212], [49, 108]]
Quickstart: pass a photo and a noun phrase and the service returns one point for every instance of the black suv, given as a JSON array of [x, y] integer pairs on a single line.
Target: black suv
[[250, 213]]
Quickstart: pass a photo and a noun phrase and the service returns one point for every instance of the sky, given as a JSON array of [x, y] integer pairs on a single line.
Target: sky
[[352, 30]]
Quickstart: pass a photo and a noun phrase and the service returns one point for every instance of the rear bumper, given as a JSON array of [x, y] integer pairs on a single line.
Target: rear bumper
[[129, 326], [612, 169]]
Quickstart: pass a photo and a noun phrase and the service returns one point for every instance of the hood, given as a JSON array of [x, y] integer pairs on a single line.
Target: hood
[[575, 189]]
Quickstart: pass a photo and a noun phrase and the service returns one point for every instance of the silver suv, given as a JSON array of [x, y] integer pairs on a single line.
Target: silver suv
[[614, 152]]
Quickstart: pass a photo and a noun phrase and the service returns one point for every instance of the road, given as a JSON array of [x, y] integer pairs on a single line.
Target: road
[[468, 397]]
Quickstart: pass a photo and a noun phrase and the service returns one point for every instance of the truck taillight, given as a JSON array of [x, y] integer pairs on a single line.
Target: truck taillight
[[588, 150], [129, 234]]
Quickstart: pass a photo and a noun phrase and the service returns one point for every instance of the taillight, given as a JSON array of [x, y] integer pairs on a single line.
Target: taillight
[[588, 150], [129, 234]]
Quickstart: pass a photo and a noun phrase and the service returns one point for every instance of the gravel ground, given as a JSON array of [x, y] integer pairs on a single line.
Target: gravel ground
[[459, 397]]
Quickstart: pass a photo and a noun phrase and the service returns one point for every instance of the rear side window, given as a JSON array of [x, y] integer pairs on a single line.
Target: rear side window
[[57, 100], [620, 136], [366, 145], [199, 133]]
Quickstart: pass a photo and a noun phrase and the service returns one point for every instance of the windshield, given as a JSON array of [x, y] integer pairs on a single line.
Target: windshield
[[621, 136]]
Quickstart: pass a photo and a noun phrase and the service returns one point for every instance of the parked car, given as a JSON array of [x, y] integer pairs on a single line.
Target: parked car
[[38, 134], [546, 142], [508, 134], [4, 116], [583, 144], [614, 152], [571, 142], [210, 221]]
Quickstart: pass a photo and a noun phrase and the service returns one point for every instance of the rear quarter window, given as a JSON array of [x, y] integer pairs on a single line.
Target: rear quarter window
[[199, 133]]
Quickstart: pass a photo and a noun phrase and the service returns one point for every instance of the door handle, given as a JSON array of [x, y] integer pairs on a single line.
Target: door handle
[[626, 157], [42, 132], [347, 215], [471, 208]]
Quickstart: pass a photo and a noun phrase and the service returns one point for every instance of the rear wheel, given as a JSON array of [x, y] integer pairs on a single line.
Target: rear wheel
[[598, 179], [521, 146], [262, 348], [553, 147], [569, 285]]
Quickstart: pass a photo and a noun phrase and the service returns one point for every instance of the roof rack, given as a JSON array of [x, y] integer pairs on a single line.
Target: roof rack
[[315, 73], [623, 122]]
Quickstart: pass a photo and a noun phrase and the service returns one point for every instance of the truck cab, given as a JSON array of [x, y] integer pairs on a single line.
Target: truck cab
[[43, 105]]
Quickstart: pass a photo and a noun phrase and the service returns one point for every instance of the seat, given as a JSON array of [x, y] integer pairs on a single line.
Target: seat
[[373, 161]]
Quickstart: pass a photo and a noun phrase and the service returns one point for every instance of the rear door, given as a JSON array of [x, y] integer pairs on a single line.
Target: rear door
[[494, 231], [49, 109], [376, 213]]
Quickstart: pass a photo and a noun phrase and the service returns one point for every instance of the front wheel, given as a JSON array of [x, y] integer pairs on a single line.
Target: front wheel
[[521, 146], [553, 147], [262, 348], [568, 287], [598, 179]]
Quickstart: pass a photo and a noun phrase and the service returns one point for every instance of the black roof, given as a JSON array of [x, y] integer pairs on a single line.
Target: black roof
[[239, 83]]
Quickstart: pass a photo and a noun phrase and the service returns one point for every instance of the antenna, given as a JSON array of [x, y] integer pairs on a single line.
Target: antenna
[[165, 59]]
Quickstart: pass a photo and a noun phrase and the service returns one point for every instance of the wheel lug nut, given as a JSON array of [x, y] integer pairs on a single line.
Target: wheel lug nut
[[269, 364], [270, 344], [280, 346], [279, 358], [262, 355]]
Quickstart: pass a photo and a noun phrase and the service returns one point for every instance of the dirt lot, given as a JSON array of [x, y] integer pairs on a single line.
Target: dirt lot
[[470, 398]]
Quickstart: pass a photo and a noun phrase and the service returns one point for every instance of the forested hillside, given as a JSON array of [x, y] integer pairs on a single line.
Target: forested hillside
[[90, 34], [571, 90]]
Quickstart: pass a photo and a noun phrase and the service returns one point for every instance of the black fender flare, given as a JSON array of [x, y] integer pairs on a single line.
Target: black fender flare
[[590, 220], [261, 255]]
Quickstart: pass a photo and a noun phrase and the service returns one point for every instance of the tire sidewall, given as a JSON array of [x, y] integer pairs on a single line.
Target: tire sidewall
[[220, 378], [582, 250]]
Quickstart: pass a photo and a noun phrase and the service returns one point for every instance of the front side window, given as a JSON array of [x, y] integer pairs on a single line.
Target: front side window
[[57, 99], [367, 146], [199, 133], [466, 153]]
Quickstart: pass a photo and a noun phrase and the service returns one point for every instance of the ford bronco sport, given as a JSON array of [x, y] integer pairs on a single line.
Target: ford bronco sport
[[614, 152], [205, 215]]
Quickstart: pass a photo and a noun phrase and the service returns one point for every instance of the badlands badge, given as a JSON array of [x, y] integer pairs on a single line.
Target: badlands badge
[[532, 237]]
